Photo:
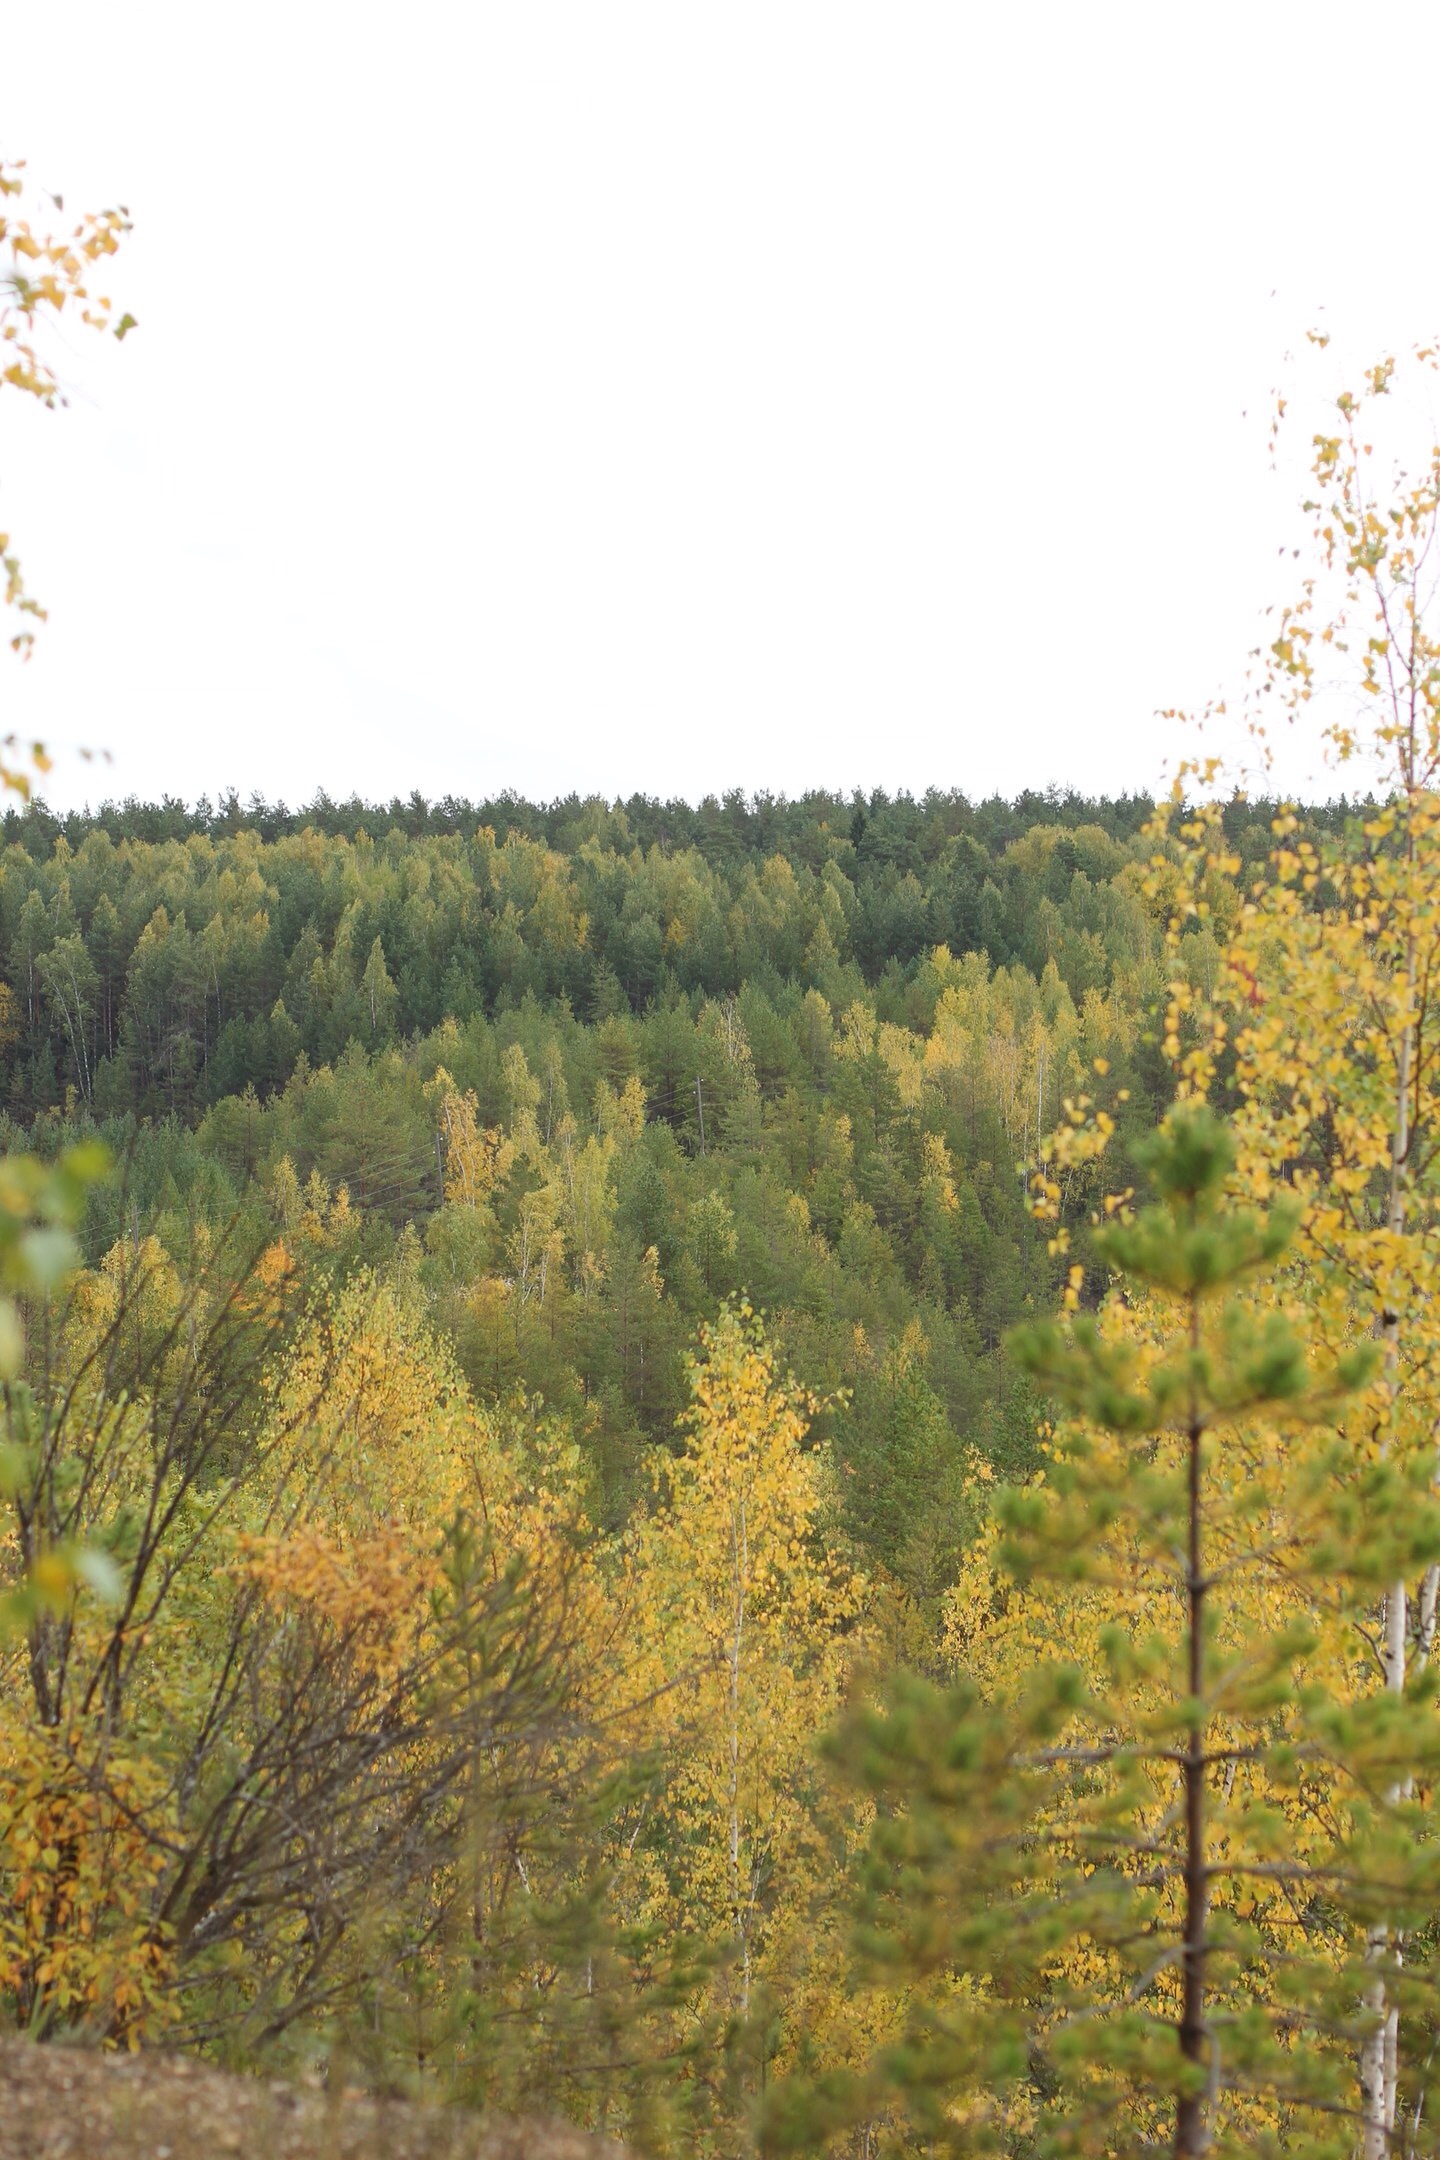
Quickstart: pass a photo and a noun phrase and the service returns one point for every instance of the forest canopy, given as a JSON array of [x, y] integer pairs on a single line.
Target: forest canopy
[[596, 1069]]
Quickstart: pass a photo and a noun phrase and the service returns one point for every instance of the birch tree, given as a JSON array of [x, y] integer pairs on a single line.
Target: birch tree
[[751, 1608], [1322, 1022], [47, 281]]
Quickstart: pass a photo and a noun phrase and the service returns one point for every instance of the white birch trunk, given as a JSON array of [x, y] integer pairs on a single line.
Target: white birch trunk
[[739, 1905], [1380, 2050]]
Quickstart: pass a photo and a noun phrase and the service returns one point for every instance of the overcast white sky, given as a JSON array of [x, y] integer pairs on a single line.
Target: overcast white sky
[[673, 397]]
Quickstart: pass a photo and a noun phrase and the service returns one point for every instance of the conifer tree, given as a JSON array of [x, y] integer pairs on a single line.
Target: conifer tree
[[1126, 1877], [1320, 1022]]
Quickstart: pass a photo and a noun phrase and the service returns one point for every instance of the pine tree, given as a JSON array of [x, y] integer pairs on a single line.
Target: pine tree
[[1127, 1869], [1319, 1020]]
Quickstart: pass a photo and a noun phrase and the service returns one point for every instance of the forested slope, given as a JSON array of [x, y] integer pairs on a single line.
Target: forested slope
[[542, 1351], [586, 1071], [538, 1570]]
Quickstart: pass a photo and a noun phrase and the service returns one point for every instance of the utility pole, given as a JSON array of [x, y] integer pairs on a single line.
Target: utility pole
[[700, 1111]]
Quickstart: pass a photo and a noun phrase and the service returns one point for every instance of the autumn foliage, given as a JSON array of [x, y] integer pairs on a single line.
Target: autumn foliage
[[764, 1474]]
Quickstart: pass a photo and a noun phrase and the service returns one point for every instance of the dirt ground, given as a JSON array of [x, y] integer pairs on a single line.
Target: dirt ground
[[59, 2103]]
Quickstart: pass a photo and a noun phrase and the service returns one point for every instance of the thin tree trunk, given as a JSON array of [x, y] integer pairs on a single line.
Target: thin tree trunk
[[741, 1554], [1380, 2049], [1191, 2131]]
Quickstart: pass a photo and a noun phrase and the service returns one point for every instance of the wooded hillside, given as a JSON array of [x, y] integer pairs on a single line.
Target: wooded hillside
[[760, 1476], [589, 1071]]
